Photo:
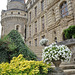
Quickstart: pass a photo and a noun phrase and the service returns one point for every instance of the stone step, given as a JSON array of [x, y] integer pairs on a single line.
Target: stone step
[[65, 67], [70, 71], [37, 51]]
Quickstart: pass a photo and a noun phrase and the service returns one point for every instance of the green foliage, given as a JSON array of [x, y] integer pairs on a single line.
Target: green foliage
[[12, 45], [3, 56], [5, 48], [70, 32], [20, 66], [73, 36], [21, 48], [3, 51]]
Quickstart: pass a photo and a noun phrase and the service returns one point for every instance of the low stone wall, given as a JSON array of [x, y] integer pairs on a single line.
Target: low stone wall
[[71, 44]]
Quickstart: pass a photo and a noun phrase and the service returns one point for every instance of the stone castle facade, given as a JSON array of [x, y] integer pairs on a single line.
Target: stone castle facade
[[38, 19]]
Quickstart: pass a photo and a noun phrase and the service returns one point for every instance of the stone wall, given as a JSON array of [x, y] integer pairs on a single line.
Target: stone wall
[[54, 23], [10, 19]]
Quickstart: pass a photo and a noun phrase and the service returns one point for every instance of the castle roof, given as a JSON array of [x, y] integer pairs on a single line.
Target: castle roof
[[22, 1]]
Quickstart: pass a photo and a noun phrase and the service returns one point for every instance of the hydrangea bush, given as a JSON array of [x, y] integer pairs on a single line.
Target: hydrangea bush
[[43, 42], [55, 52]]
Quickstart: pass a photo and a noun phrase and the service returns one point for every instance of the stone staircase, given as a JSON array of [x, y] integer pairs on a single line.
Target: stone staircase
[[38, 51], [69, 69]]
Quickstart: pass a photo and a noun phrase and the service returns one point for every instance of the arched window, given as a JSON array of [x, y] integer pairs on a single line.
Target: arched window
[[55, 39], [17, 27], [64, 9]]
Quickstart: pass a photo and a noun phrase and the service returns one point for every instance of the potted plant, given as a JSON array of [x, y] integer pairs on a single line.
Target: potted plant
[[43, 42], [56, 54]]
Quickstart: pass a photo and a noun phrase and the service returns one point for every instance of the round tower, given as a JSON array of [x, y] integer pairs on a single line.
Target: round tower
[[14, 17]]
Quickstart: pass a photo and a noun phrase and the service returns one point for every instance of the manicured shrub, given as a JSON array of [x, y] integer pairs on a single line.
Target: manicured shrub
[[5, 48], [20, 66], [21, 47], [12, 45], [70, 32]]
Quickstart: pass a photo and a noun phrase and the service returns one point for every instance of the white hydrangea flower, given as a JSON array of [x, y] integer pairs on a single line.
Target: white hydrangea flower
[[55, 52], [43, 41]]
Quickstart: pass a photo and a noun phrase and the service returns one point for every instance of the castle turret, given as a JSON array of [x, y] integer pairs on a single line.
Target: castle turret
[[14, 17]]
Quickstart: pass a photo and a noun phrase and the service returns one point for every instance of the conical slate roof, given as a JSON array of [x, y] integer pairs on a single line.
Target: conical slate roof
[[19, 0]]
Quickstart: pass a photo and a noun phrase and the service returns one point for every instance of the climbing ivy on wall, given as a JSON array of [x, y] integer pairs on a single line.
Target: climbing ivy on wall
[[21, 46], [12, 45], [70, 32]]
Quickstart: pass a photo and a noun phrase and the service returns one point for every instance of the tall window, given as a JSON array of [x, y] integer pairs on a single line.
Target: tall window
[[35, 42], [25, 31], [42, 5], [30, 30], [43, 26], [64, 9], [30, 16], [36, 27], [29, 43], [35, 11], [55, 39]]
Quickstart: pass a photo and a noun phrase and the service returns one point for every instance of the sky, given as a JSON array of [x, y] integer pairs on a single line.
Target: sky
[[3, 5]]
